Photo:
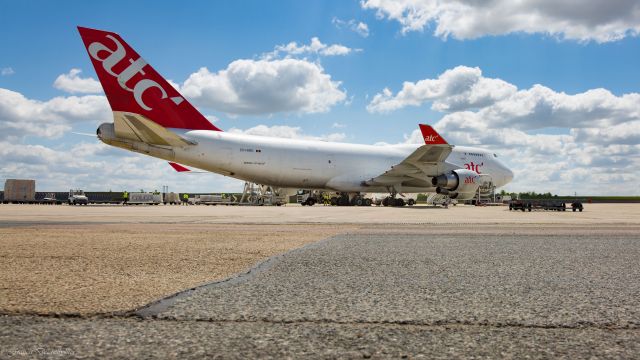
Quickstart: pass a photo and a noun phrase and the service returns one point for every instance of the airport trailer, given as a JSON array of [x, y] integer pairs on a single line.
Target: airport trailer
[[549, 205]]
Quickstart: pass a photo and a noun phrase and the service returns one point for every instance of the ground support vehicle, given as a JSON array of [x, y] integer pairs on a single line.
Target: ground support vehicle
[[77, 197], [576, 205]]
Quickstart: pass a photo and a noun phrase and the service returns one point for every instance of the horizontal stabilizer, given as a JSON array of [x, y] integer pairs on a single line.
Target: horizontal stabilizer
[[137, 127]]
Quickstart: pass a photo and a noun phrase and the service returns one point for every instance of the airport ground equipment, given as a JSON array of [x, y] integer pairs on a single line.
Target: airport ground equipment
[[397, 201], [77, 197], [144, 198], [50, 199], [439, 199], [576, 205], [520, 205], [19, 191], [213, 199], [543, 204], [62, 197], [258, 195], [312, 197], [171, 198], [384, 199], [360, 200], [391, 201], [552, 205], [105, 197], [308, 197]]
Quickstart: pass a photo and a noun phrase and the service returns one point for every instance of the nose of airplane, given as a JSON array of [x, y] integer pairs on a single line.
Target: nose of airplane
[[508, 175]]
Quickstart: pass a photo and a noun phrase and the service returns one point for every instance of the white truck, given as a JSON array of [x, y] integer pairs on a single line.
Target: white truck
[[77, 197]]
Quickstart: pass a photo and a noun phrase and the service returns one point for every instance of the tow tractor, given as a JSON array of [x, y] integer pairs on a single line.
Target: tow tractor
[[576, 205], [77, 197]]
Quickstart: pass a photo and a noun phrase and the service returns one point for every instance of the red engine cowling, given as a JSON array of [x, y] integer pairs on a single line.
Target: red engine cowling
[[459, 184]]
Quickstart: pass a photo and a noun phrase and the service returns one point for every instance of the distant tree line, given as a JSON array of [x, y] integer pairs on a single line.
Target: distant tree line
[[529, 195]]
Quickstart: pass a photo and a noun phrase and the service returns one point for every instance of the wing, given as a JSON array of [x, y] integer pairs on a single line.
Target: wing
[[183, 169], [425, 162], [179, 168]]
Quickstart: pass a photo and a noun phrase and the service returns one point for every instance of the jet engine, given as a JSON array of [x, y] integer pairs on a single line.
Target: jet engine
[[459, 184]]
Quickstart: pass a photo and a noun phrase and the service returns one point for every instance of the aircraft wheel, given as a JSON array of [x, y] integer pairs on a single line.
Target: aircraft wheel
[[367, 202]]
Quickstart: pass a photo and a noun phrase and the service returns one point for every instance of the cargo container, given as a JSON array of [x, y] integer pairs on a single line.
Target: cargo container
[[140, 198], [171, 198], [19, 190]]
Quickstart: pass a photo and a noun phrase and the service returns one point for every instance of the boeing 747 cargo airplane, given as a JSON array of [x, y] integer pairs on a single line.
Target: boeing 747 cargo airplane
[[152, 118]]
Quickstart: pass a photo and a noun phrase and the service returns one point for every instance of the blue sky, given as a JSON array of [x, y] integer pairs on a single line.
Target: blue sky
[[479, 78]]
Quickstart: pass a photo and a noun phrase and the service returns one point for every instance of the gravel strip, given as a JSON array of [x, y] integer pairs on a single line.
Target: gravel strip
[[106, 268]]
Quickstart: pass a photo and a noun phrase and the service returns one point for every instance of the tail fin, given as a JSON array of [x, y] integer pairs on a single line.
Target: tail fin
[[431, 136], [133, 86]]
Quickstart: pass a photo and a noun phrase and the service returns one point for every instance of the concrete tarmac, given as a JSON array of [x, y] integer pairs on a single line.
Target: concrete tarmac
[[389, 290], [14, 215]]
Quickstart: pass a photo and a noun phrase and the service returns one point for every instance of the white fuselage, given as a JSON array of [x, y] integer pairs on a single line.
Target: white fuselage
[[307, 164]]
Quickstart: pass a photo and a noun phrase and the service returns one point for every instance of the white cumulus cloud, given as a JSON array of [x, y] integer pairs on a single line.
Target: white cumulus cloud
[[470, 97], [563, 143], [315, 47], [73, 83], [455, 89], [94, 166], [265, 87], [7, 71], [21, 116], [600, 21], [358, 27]]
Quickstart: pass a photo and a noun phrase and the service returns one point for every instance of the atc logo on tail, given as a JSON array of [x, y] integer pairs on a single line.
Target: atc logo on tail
[[133, 86], [430, 136], [114, 57]]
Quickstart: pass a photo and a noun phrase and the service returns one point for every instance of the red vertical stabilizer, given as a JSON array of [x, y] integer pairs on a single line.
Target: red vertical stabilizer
[[133, 86]]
